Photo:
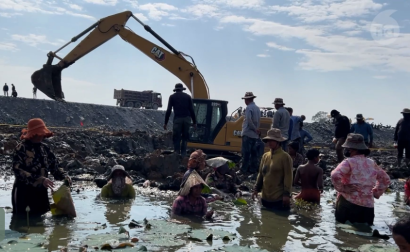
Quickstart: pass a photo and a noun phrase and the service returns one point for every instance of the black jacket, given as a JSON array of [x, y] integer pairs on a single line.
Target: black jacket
[[5, 88], [402, 132], [182, 105], [342, 127]]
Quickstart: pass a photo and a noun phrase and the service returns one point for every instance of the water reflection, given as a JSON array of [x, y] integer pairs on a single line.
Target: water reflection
[[19, 224], [60, 235], [118, 211], [274, 229]]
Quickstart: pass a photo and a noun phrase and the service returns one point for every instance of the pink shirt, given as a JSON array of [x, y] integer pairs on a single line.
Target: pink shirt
[[363, 172]]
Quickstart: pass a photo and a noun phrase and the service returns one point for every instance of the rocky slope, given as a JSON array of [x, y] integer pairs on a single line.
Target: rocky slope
[[18, 111]]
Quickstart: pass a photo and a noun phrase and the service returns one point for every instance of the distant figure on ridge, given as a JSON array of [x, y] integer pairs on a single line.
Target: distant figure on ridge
[[6, 89], [183, 113], [34, 92]]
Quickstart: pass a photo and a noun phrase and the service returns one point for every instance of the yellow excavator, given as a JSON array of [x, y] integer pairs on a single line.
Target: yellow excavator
[[214, 132]]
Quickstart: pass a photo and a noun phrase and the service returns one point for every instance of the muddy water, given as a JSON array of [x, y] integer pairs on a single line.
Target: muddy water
[[300, 230]]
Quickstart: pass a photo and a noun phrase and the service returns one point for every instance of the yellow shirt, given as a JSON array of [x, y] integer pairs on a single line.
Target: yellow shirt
[[127, 192], [275, 175]]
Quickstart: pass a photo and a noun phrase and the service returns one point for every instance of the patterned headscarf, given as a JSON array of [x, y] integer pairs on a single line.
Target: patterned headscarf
[[197, 160]]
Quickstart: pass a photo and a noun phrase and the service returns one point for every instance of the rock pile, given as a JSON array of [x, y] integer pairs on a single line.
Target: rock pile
[[17, 111]]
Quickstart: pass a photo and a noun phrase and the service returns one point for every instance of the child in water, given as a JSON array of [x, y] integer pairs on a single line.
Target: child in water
[[310, 177], [401, 234]]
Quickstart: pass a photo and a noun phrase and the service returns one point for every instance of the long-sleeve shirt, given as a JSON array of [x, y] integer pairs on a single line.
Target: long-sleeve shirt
[[364, 129], [290, 129], [304, 134], [342, 127], [402, 132], [182, 105], [251, 123], [296, 127], [182, 206], [364, 173], [281, 121], [275, 175], [33, 161], [127, 192]]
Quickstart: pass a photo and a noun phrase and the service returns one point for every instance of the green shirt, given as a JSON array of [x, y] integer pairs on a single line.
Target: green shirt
[[127, 192], [275, 175]]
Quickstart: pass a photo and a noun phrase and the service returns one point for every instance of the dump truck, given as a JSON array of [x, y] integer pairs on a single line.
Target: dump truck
[[137, 99]]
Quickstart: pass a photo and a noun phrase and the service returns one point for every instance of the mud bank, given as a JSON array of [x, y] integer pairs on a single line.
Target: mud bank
[[17, 111]]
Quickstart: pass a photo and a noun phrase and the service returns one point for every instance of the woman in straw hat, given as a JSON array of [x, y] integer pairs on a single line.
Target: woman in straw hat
[[190, 201], [358, 180], [275, 176], [32, 161]]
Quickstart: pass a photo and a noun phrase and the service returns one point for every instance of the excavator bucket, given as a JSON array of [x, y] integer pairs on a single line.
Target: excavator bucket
[[48, 81]]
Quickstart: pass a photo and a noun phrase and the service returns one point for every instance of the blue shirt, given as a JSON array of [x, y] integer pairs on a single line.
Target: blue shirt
[[251, 122], [290, 129], [296, 127], [304, 134], [364, 129]]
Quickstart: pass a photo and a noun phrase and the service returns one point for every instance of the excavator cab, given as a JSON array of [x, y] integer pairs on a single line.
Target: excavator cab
[[211, 117]]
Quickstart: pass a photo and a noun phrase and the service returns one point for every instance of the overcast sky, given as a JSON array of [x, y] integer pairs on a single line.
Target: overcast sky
[[350, 55]]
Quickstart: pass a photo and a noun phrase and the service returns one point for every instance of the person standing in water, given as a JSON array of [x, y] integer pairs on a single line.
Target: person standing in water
[[358, 181], [310, 177], [32, 162]]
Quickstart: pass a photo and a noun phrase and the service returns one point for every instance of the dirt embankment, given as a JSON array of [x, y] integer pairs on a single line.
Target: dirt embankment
[[18, 111], [323, 133]]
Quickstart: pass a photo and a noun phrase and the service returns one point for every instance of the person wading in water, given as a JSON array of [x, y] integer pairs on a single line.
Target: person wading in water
[[358, 181], [32, 162]]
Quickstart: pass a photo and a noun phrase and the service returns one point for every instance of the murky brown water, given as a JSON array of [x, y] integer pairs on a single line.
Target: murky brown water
[[298, 231]]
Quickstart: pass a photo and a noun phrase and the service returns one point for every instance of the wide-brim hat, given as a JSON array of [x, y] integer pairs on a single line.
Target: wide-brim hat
[[193, 179], [355, 141], [406, 111], [278, 101], [36, 127], [118, 168], [359, 117], [179, 86], [274, 134], [249, 95]]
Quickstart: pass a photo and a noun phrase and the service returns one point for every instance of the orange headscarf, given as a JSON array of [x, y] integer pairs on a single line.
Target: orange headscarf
[[35, 127]]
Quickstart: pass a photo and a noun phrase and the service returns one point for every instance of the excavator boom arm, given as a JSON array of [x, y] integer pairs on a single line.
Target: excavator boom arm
[[175, 64], [48, 79]]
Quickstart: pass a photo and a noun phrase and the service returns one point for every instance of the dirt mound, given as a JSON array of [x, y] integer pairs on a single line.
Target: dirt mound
[[18, 111], [323, 133]]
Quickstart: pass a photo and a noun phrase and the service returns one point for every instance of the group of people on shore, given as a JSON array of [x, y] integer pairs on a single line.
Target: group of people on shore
[[6, 90], [14, 92]]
